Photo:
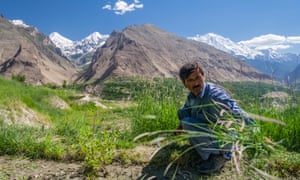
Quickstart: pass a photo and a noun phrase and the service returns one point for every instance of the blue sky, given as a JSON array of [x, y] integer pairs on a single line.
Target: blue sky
[[235, 19]]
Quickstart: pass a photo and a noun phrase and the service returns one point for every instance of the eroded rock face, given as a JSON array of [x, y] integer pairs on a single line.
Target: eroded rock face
[[27, 52], [149, 51]]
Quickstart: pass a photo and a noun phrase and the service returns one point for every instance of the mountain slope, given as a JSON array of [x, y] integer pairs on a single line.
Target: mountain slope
[[149, 51], [25, 51], [294, 76]]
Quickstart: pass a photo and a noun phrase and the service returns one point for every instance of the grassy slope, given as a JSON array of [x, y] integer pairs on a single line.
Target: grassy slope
[[92, 134]]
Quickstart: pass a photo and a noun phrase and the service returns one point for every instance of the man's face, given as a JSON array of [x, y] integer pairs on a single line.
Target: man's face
[[195, 82]]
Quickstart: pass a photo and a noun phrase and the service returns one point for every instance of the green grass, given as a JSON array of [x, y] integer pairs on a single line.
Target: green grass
[[94, 135], [249, 95], [75, 133]]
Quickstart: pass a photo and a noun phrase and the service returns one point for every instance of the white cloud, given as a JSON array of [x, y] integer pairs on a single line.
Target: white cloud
[[271, 41], [121, 7], [273, 47], [294, 39], [107, 6]]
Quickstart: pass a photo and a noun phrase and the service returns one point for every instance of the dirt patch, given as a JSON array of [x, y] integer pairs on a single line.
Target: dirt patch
[[19, 114], [276, 99], [88, 98], [150, 166], [57, 102], [22, 168]]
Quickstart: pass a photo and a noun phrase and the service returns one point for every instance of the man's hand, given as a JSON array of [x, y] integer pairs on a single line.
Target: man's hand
[[179, 130]]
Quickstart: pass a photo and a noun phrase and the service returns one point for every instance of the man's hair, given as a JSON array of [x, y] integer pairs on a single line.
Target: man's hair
[[188, 69]]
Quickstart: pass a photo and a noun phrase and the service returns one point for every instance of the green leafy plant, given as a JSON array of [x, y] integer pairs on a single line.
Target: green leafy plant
[[98, 149]]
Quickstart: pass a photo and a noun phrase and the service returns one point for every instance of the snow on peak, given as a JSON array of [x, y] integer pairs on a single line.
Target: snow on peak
[[60, 41], [225, 44], [93, 41], [95, 36], [19, 22], [69, 47]]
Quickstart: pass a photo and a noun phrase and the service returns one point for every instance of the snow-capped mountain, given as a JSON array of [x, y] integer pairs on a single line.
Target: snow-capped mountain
[[261, 52], [264, 57], [242, 49], [19, 22], [65, 44], [77, 50], [227, 45]]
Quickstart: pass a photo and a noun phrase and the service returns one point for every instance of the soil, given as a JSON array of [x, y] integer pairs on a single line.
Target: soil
[[22, 168], [150, 167], [12, 167]]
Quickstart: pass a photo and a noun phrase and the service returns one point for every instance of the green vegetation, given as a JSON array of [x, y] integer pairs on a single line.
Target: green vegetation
[[250, 95], [97, 135]]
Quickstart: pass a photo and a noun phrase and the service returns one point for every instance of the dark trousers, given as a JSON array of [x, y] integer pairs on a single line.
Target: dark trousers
[[204, 141]]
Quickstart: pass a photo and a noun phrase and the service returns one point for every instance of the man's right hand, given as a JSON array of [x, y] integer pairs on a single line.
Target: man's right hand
[[179, 130]]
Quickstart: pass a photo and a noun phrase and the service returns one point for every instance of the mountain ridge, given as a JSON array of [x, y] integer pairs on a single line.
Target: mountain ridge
[[27, 52], [81, 52], [269, 61], [149, 51]]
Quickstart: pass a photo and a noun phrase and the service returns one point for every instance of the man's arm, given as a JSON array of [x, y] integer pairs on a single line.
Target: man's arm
[[224, 101]]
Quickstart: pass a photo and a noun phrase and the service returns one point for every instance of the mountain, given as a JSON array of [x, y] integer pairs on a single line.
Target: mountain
[[27, 52], [148, 51], [79, 52], [225, 44], [294, 76], [268, 60]]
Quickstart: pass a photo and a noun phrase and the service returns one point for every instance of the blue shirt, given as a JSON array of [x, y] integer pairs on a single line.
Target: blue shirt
[[207, 107]]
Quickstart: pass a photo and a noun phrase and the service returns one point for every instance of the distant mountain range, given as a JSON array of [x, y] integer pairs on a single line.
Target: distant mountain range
[[103, 53], [275, 64]]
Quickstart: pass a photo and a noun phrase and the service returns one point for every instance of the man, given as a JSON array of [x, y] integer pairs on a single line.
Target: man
[[203, 107]]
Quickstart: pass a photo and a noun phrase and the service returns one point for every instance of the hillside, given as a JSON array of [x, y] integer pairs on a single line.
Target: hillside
[[145, 50], [26, 52]]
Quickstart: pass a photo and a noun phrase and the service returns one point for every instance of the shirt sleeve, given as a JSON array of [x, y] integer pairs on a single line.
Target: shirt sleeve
[[224, 100]]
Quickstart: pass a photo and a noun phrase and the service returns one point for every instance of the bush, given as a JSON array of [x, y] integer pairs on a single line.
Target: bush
[[18, 77]]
